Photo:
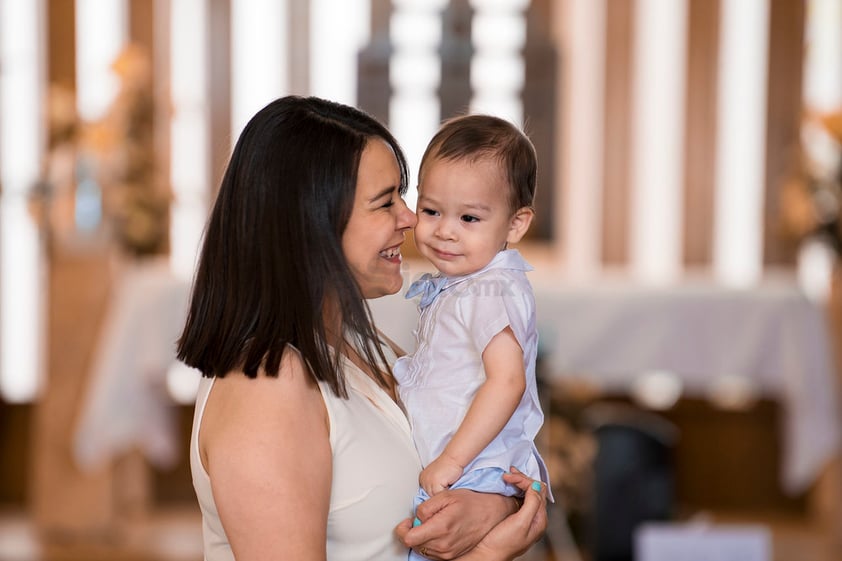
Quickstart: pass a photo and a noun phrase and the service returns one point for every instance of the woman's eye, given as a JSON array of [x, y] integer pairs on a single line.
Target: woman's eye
[[469, 218], [387, 205]]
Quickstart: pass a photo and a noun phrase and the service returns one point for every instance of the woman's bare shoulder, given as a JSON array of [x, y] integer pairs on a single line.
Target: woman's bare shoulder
[[266, 448], [293, 376], [237, 402]]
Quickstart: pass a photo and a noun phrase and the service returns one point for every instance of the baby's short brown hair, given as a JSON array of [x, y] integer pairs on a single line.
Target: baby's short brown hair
[[475, 137]]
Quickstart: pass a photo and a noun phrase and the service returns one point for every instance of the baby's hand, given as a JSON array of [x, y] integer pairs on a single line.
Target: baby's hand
[[439, 475]]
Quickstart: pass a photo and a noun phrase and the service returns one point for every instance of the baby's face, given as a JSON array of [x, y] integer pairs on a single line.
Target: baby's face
[[464, 217]]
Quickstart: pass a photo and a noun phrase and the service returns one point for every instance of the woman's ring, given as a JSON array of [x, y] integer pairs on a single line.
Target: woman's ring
[[423, 551]]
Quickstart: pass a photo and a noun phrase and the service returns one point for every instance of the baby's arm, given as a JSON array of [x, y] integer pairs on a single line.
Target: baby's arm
[[492, 406]]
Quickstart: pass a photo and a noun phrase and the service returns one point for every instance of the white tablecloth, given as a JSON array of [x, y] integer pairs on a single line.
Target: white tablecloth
[[613, 333], [126, 403]]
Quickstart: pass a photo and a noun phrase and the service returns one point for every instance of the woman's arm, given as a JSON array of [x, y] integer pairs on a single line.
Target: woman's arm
[[265, 445], [470, 526], [490, 410], [454, 521], [517, 533]]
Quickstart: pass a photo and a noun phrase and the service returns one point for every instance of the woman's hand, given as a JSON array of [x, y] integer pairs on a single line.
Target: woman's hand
[[454, 522], [514, 535]]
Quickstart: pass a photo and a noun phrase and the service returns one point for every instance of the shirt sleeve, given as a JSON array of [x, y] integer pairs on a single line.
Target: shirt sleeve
[[496, 302]]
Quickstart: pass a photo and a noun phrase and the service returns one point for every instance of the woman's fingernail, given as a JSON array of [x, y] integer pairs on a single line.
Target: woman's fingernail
[[536, 485], [416, 522]]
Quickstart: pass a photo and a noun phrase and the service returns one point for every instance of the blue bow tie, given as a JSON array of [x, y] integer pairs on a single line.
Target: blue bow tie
[[428, 286]]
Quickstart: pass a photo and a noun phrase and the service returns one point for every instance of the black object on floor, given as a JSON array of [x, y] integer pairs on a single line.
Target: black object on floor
[[633, 477]]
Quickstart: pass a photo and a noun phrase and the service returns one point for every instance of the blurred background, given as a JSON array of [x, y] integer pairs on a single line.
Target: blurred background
[[686, 247]]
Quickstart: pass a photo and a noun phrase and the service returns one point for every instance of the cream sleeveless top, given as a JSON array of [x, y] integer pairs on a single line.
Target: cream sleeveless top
[[375, 473]]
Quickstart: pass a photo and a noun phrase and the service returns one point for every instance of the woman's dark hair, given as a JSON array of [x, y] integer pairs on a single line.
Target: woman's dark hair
[[272, 250], [474, 137]]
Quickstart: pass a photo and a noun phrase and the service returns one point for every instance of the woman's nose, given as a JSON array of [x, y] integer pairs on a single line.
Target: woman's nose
[[406, 218]]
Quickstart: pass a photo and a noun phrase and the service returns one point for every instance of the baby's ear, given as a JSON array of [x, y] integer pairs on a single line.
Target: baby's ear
[[520, 224]]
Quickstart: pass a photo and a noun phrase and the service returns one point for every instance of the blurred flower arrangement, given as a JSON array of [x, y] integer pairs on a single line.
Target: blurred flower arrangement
[[135, 207], [812, 196], [114, 154]]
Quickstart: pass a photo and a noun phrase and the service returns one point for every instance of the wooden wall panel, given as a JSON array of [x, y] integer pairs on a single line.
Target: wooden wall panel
[[374, 90], [16, 451], [142, 23], [61, 43], [783, 118], [619, 73], [539, 109], [700, 132], [64, 500], [456, 51], [299, 47], [219, 94], [161, 89]]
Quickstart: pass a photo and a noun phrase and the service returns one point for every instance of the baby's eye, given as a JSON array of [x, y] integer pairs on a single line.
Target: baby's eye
[[469, 218], [429, 212]]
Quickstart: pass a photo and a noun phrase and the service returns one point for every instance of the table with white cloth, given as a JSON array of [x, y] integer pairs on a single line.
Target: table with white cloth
[[127, 405], [612, 333]]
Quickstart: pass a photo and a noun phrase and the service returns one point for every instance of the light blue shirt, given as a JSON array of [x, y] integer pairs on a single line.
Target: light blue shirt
[[438, 382]]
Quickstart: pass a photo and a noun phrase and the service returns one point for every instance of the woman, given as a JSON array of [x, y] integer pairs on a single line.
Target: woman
[[300, 449]]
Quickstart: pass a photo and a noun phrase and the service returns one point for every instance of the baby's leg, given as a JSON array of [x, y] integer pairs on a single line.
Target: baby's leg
[[487, 480]]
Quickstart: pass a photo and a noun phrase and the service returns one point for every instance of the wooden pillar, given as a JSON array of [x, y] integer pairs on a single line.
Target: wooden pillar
[[373, 88], [219, 90], [619, 72], [66, 502], [141, 23], [455, 52], [161, 92], [783, 118], [299, 47], [539, 109], [61, 43], [700, 133]]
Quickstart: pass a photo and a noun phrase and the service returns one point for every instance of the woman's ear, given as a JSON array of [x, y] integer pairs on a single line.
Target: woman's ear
[[519, 224]]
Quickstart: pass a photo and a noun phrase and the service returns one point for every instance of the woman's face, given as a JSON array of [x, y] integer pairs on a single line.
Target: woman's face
[[379, 221]]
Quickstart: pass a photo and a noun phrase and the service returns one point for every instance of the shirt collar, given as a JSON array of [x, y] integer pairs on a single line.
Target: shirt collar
[[429, 286]]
